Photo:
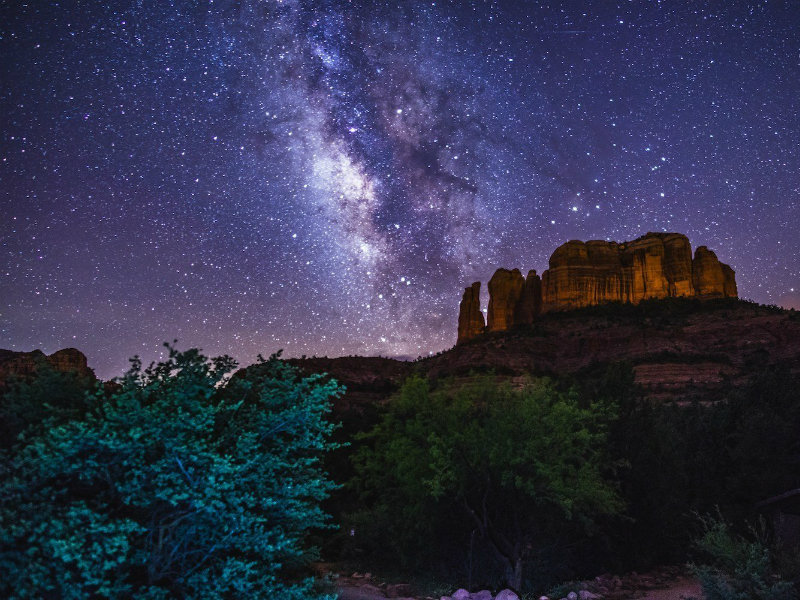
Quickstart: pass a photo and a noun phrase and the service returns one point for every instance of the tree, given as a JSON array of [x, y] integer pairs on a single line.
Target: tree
[[176, 484], [516, 463]]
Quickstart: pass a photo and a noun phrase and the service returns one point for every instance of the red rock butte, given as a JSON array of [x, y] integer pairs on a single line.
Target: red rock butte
[[656, 265], [25, 365]]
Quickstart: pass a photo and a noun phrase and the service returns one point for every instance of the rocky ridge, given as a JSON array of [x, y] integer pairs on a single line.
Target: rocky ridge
[[680, 349], [656, 265], [26, 364]]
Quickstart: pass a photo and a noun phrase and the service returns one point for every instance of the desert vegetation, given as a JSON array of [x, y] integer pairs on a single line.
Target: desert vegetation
[[172, 482], [578, 476], [180, 480]]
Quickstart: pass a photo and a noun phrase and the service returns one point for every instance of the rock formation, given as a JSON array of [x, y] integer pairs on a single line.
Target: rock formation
[[470, 317], [678, 264], [505, 291], [729, 289], [656, 265], [712, 279], [530, 302], [581, 274], [25, 364]]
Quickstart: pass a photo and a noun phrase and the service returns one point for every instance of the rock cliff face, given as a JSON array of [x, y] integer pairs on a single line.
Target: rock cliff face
[[505, 292], [656, 265], [530, 302], [712, 279], [470, 317], [581, 274], [25, 364]]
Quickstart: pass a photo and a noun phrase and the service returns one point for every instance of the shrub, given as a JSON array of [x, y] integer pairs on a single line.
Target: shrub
[[174, 485], [737, 568]]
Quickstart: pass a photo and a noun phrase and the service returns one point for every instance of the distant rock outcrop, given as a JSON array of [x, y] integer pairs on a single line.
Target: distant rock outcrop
[[470, 317], [656, 265], [25, 364]]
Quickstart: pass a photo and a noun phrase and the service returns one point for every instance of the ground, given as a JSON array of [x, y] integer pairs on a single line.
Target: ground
[[680, 588], [684, 587]]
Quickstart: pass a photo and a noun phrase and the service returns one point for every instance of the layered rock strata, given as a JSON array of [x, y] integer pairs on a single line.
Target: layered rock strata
[[505, 292], [656, 265]]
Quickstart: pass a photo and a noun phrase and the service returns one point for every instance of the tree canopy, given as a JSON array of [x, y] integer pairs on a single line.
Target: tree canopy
[[177, 483], [512, 461]]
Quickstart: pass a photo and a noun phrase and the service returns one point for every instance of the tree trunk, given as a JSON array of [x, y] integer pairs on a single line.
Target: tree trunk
[[515, 581], [507, 551]]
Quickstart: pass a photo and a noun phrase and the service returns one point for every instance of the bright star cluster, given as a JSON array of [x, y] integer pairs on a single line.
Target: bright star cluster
[[325, 177]]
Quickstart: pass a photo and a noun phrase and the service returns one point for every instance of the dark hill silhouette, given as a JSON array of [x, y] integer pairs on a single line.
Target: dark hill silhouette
[[680, 349]]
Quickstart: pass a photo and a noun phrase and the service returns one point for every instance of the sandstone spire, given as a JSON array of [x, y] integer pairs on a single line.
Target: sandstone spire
[[505, 291], [708, 275], [530, 302], [470, 317]]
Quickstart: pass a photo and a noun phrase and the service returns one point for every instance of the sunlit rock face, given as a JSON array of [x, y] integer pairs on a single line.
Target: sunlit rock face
[[678, 264], [470, 317], [656, 265], [505, 292], [712, 279], [729, 289], [581, 274], [644, 273]]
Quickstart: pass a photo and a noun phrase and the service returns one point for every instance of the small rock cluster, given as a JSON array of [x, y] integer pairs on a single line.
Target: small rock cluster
[[579, 595], [463, 594], [605, 587], [26, 364], [363, 582], [625, 587]]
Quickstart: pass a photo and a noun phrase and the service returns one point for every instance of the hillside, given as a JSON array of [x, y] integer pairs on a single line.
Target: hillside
[[680, 349]]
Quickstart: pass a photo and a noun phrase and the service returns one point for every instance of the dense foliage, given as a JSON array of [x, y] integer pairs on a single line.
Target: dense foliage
[[693, 458], [737, 568], [172, 485], [439, 446], [514, 469], [178, 482]]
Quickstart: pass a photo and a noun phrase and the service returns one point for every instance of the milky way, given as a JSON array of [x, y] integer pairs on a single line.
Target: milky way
[[326, 177]]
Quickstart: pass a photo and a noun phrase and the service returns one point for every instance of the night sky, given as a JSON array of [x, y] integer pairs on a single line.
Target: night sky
[[327, 177]]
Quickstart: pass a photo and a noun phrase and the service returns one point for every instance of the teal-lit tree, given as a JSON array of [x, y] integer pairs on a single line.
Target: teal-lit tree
[[178, 484]]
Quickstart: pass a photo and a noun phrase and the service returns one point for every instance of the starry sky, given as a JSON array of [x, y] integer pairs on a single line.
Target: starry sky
[[327, 176]]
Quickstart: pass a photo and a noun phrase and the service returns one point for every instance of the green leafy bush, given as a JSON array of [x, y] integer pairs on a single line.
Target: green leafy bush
[[737, 568], [174, 485], [512, 465]]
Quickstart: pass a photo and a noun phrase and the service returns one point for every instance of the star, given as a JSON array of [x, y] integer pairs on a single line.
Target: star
[[328, 181]]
